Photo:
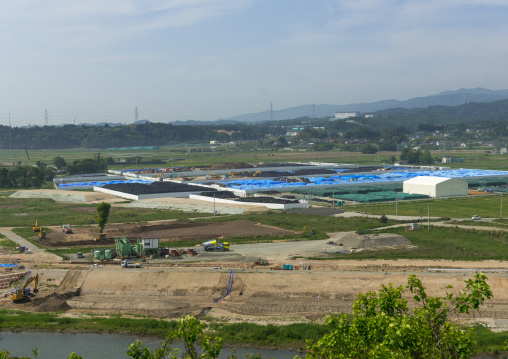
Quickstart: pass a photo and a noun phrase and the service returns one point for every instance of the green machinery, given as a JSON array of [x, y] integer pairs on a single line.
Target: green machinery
[[125, 249], [103, 254]]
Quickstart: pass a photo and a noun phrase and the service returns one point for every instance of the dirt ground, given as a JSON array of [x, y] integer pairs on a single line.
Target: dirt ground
[[168, 231]]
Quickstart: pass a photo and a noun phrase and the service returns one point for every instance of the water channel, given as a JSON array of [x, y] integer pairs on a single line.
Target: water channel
[[98, 346]]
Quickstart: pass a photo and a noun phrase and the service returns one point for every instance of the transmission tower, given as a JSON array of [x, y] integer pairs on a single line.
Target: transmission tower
[[136, 115], [46, 117], [271, 111]]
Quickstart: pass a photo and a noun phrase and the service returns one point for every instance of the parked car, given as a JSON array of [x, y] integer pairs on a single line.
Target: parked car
[[475, 217]]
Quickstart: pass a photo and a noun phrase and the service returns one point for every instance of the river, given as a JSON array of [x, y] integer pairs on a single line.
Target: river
[[98, 346]]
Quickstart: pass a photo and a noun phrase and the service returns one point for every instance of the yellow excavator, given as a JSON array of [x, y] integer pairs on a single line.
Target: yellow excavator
[[23, 291], [308, 231], [36, 227], [42, 234]]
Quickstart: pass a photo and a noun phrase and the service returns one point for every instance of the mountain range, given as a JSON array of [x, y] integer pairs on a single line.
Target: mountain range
[[447, 98]]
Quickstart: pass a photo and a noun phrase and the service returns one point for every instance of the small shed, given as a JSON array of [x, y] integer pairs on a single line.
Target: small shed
[[435, 186], [150, 241]]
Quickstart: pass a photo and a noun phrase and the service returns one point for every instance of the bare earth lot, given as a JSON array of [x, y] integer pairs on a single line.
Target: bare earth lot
[[172, 230]]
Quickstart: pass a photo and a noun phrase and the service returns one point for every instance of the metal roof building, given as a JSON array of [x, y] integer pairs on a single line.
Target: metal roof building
[[435, 186]]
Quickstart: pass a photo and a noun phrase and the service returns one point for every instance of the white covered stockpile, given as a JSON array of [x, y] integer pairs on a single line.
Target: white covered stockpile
[[435, 186]]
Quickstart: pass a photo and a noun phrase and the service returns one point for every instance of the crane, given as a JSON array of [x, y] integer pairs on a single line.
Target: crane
[[23, 290]]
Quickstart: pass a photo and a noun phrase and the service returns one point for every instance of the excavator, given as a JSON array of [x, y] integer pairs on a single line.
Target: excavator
[[308, 231], [36, 227], [23, 291], [41, 234]]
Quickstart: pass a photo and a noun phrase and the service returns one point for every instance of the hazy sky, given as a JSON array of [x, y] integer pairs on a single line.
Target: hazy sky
[[97, 60]]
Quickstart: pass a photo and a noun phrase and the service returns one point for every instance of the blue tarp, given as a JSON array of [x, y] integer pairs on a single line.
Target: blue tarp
[[8, 265], [371, 178], [101, 183]]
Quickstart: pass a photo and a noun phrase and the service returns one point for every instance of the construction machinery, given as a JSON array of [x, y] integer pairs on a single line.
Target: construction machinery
[[24, 291], [41, 234], [213, 246], [213, 175], [66, 228], [307, 230], [36, 227], [100, 237]]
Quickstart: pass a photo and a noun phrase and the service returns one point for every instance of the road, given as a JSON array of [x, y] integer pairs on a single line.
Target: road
[[20, 240]]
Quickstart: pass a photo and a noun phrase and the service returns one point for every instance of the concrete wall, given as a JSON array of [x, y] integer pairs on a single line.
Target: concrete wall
[[302, 204], [145, 196]]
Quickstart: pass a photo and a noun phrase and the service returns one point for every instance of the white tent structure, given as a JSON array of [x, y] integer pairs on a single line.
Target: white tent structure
[[435, 186]]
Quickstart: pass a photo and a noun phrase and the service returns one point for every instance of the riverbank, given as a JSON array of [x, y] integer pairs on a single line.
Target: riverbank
[[245, 335], [250, 336]]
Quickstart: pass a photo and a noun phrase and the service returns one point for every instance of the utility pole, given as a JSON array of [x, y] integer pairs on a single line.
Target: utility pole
[[396, 205], [421, 217], [428, 216], [501, 216], [10, 145], [46, 117]]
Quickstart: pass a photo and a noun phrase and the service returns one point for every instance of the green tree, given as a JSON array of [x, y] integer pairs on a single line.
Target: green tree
[[102, 215], [59, 162], [190, 331], [426, 157], [384, 326], [369, 148]]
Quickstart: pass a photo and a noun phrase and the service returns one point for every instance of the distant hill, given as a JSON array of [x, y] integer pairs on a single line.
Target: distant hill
[[447, 98]]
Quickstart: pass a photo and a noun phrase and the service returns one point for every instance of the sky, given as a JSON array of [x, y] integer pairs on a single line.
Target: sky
[[97, 61]]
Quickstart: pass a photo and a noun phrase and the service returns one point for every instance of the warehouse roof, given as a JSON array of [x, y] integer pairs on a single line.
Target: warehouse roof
[[430, 180]]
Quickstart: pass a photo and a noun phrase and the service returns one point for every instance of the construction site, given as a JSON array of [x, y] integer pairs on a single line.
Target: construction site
[[128, 270]]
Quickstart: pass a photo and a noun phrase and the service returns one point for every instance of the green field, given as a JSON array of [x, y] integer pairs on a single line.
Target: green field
[[450, 243], [23, 212], [180, 156], [488, 206]]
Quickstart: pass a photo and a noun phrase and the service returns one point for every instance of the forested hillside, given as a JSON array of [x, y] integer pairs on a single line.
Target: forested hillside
[[471, 115]]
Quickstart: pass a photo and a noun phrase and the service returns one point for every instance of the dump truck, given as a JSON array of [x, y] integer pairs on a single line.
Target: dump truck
[[213, 246], [66, 228], [130, 263]]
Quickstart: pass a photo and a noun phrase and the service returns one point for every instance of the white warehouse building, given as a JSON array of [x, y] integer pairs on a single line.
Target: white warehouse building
[[435, 186]]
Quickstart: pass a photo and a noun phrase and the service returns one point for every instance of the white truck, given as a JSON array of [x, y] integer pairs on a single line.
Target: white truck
[[129, 263]]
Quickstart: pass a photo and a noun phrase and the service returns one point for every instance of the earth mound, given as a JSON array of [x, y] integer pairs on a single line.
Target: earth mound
[[375, 240]]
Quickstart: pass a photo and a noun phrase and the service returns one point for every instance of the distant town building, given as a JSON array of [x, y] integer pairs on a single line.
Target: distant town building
[[344, 115], [451, 159]]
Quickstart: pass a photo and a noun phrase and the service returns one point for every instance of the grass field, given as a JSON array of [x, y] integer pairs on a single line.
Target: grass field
[[488, 206], [23, 212], [442, 243], [180, 156]]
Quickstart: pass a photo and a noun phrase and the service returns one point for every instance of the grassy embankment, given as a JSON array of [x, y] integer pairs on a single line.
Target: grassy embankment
[[291, 336]]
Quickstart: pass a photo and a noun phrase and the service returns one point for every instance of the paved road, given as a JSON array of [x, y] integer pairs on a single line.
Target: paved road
[[20, 240]]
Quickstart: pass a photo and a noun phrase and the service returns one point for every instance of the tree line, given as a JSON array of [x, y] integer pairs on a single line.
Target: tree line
[[25, 176], [148, 134]]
